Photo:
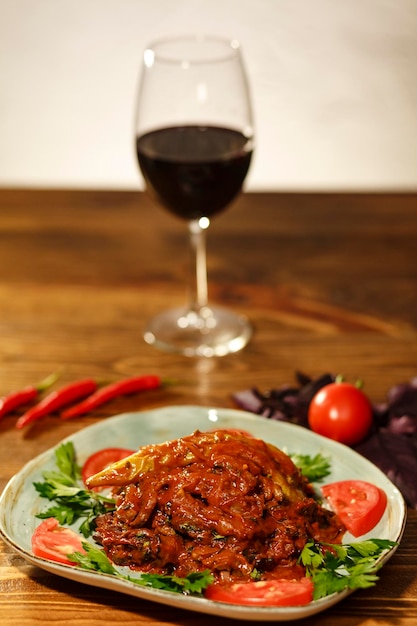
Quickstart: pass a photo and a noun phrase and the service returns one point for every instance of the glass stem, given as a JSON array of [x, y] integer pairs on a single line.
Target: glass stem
[[198, 282]]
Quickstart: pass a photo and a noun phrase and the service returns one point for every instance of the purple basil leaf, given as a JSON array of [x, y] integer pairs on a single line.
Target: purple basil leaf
[[302, 379], [402, 399], [380, 415], [285, 402], [403, 425], [305, 396], [396, 456], [309, 390], [270, 406], [248, 400]]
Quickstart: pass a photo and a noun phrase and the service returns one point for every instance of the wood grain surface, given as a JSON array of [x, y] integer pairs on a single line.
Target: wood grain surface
[[329, 282]]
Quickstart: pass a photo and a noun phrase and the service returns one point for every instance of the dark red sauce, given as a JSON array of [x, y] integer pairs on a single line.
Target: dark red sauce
[[220, 501]]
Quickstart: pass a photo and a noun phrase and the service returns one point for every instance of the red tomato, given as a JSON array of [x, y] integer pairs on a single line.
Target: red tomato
[[341, 412], [101, 459], [359, 504], [280, 592], [52, 541]]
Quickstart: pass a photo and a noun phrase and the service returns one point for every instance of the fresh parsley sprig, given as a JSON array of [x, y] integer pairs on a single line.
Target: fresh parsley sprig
[[64, 487], [96, 560], [314, 468], [334, 567]]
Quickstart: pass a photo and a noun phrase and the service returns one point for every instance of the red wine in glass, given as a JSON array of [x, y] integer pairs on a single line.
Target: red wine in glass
[[195, 171], [194, 143]]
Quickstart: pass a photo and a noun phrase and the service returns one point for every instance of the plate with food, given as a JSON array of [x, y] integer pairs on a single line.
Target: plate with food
[[206, 509]]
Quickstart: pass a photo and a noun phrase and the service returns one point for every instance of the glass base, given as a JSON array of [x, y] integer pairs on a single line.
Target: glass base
[[209, 332]]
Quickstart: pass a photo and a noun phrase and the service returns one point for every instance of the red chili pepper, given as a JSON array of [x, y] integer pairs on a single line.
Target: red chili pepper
[[14, 400], [57, 399], [119, 388]]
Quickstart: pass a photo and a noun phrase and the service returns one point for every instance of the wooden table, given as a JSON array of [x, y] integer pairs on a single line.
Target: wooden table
[[328, 280]]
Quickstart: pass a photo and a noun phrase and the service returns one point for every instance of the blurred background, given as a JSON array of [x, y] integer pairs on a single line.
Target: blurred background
[[334, 86]]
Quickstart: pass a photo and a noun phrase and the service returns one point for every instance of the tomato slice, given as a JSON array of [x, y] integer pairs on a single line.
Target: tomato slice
[[101, 459], [54, 542], [280, 592], [359, 504]]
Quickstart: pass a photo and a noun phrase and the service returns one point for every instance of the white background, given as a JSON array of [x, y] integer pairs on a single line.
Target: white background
[[334, 87]]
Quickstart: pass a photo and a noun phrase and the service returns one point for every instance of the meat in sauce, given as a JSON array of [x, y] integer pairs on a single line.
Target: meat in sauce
[[218, 500]]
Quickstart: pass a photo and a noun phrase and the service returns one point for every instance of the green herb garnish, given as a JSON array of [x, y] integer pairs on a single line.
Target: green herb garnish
[[314, 468], [96, 560], [72, 501], [334, 567]]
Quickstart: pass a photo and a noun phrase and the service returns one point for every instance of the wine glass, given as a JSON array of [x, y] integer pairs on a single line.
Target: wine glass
[[194, 142]]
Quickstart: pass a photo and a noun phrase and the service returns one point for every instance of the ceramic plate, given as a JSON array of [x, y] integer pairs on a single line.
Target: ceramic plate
[[19, 502]]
